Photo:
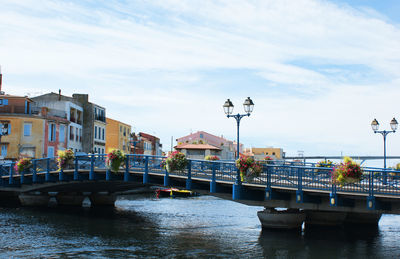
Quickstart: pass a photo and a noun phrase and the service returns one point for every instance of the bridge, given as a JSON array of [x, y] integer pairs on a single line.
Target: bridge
[[297, 187]]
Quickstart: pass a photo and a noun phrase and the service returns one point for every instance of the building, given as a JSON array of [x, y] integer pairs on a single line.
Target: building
[[118, 135], [94, 125], [198, 151], [260, 153], [227, 147], [30, 134], [151, 144], [63, 107]]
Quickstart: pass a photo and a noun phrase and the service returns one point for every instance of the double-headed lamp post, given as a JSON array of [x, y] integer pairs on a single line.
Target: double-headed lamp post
[[228, 109], [375, 127]]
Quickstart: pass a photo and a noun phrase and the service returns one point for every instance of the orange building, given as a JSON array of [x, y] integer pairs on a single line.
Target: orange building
[[29, 134], [117, 135]]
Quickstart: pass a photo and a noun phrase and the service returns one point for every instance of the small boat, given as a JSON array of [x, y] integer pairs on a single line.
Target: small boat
[[173, 192]]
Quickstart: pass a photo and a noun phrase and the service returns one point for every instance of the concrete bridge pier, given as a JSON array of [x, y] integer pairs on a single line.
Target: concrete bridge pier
[[34, 199], [70, 199], [102, 199], [362, 218], [324, 218]]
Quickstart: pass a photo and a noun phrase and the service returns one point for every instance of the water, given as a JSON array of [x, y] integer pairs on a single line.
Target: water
[[202, 226]]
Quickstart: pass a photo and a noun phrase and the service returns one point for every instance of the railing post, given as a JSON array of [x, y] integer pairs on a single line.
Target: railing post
[[76, 171], [34, 174], [237, 187], [146, 171], [91, 173], [61, 175], [166, 178], [213, 183], [127, 165], [11, 178], [299, 192], [371, 198], [333, 195], [108, 174], [22, 178], [268, 190], [47, 176], [189, 176]]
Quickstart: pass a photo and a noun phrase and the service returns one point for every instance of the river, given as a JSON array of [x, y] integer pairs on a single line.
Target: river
[[203, 226]]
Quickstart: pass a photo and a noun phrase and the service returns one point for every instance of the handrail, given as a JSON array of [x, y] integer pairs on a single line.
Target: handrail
[[285, 175]]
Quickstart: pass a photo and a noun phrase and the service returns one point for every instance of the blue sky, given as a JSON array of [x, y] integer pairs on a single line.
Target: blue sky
[[318, 71]]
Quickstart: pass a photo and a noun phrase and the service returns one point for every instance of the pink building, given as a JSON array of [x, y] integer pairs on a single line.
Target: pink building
[[228, 147]]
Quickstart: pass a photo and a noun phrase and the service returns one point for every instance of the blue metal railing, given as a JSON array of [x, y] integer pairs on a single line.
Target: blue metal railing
[[275, 175]]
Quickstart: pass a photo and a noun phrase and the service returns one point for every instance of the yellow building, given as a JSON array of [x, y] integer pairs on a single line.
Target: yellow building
[[25, 136], [260, 153], [117, 135]]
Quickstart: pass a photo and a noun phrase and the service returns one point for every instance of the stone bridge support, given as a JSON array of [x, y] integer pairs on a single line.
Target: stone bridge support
[[102, 199], [34, 199], [70, 199]]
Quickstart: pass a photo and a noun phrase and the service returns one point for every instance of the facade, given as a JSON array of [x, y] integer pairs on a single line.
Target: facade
[[94, 125], [61, 106], [151, 144], [198, 151], [118, 135], [227, 147], [260, 153], [30, 134]]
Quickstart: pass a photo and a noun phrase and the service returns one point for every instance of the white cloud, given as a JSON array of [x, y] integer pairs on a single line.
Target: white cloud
[[323, 70]]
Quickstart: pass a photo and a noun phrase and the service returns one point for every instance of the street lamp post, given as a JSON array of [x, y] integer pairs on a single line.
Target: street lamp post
[[375, 127], [248, 106]]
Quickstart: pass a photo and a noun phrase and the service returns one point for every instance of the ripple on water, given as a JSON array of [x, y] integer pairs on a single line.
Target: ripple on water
[[202, 226]]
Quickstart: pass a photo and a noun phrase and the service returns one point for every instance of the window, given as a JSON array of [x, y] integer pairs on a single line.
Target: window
[[201, 135], [4, 150], [95, 150], [77, 134], [124, 132], [71, 133], [8, 127], [120, 128], [99, 133], [50, 151], [80, 136], [52, 132], [27, 129], [103, 133], [95, 131], [61, 134]]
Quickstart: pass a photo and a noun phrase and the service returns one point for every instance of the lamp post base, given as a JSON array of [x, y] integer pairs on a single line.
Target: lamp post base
[[236, 192]]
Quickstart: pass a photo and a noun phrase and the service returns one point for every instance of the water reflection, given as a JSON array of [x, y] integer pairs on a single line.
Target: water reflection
[[314, 242], [195, 227]]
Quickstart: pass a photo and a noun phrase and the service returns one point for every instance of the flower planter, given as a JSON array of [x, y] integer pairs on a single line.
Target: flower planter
[[114, 166]]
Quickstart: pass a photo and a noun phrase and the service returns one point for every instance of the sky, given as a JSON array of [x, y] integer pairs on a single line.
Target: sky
[[318, 71]]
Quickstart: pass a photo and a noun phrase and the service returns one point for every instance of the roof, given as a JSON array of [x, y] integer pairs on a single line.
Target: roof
[[15, 97], [196, 146]]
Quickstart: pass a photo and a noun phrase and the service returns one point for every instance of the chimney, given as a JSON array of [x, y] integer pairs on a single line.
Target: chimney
[[44, 111], [59, 94]]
